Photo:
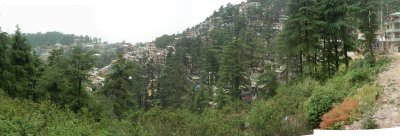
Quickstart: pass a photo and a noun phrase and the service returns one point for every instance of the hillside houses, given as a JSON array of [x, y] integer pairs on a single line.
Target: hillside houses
[[280, 21], [257, 20], [254, 15], [244, 7]]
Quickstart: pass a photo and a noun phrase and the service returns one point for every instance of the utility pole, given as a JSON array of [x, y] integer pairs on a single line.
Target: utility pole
[[383, 35], [383, 30]]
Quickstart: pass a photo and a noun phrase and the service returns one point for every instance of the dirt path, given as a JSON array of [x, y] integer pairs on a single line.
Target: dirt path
[[388, 105]]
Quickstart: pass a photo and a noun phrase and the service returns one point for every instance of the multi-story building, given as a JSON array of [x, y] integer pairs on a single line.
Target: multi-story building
[[388, 39]]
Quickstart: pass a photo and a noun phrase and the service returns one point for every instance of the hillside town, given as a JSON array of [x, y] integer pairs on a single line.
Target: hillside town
[[387, 42], [254, 67]]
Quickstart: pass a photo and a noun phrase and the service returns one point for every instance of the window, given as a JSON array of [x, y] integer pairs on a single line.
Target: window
[[397, 26], [396, 35]]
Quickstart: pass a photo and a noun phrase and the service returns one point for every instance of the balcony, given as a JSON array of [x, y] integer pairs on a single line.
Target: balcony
[[388, 22], [393, 39], [392, 30]]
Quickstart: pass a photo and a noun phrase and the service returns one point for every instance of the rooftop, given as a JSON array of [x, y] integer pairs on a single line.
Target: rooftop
[[395, 14]]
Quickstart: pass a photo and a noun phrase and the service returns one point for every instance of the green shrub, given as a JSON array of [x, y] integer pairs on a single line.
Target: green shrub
[[360, 75], [290, 98], [281, 114], [368, 121], [319, 103], [266, 118], [261, 116], [338, 126]]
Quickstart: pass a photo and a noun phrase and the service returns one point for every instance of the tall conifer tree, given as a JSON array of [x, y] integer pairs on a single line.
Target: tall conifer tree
[[23, 69], [120, 86], [368, 23], [233, 66], [4, 63]]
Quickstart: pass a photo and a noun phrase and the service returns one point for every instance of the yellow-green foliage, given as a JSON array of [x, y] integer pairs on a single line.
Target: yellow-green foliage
[[25, 117], [367, 96], [281, 115]]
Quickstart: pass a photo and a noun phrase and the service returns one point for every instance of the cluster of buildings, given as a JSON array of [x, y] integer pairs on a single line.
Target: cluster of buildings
[[244, 7], [44, 51], [252, 11], [147, 51], [254, 21], [254, 14]]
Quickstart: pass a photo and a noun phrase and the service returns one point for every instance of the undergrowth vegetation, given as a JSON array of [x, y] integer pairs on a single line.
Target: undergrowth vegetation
[[342, 85], [296, 109]]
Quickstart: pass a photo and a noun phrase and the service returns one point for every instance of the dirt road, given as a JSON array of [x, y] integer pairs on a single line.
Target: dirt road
[[388, 105]]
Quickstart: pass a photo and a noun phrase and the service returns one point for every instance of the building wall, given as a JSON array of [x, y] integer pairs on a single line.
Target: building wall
[[391, 40]]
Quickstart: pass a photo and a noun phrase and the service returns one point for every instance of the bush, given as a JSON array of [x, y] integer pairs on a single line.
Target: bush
[[159, 121], [319, 103], [266, 118], [338, 126], [281, 115], [25, 117], [367, 96], [360, 75], [261, 116], [368, 122], [290, 98], [339, 114]]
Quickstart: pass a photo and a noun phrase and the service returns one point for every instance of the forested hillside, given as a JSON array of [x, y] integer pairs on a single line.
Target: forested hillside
[[262, 67], [52, 38]]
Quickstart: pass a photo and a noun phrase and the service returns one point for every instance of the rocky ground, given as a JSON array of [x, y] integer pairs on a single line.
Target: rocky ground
[[388, 105]]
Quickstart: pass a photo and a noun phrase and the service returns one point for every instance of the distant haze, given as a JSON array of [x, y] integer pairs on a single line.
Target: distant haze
[[112, 20]]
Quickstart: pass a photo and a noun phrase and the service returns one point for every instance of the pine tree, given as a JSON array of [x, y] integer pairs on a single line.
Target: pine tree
[[23, 70], [389, 6], [221, 99], [200, 100], [338, 29], [368, 23], [120, 86], [4, 62], [317, 32], [58, 90], [300, 37], [268, 82], [233, 66], [172, 89], [81, 62]]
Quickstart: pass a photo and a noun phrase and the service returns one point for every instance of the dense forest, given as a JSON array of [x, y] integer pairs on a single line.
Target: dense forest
[[52, 38], [297, 76]]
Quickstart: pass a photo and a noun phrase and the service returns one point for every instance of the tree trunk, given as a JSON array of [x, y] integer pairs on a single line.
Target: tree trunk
[[79, 86], [315, 63], [336, 56], [301, 62], [346, 57]]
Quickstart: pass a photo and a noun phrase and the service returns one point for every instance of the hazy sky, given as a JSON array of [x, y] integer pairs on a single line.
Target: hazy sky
[[111, 20]]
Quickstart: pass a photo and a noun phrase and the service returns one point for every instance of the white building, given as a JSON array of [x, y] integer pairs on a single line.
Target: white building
[[389, 38]]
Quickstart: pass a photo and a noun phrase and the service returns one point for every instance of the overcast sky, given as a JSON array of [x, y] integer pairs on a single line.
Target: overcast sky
[[111, 20]]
